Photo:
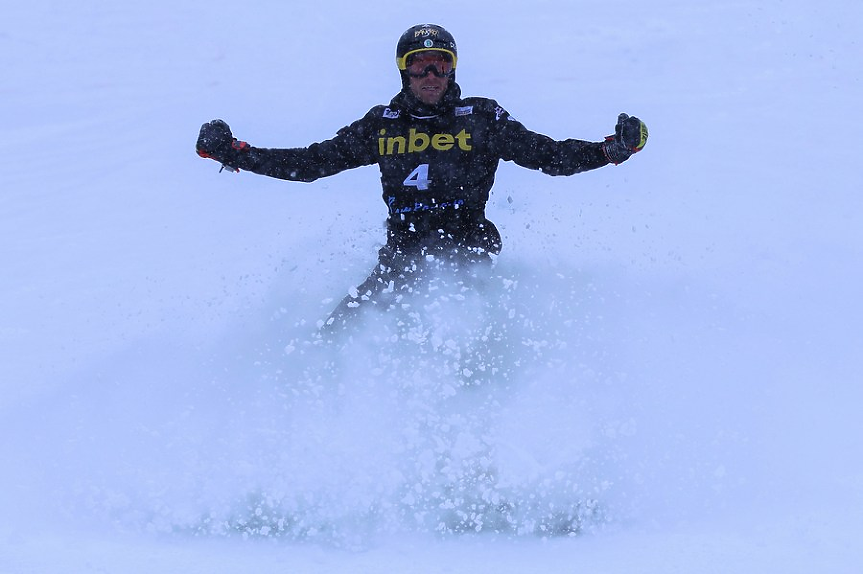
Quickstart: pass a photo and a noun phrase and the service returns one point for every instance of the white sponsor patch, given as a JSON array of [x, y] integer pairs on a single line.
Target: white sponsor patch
[[464, 110], [392, 114]]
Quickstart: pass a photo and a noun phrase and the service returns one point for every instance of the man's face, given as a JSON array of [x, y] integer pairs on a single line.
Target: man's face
[[428, 75]]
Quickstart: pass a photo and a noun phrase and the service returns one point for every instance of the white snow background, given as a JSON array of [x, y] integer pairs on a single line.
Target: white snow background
[[670, 375]]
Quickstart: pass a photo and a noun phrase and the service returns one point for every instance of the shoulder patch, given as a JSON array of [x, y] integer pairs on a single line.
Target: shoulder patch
[[463, 110], [392, 114]]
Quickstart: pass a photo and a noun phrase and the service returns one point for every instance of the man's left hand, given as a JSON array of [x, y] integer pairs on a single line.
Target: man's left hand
[[630, 136]]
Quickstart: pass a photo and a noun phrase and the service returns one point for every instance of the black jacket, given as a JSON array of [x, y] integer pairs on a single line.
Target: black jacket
[[437, 164]]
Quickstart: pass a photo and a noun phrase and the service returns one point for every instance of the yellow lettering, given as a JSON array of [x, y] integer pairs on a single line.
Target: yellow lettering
[[392, 142], [442, 142], [417, 142], [415, 138], [381, 143], [462, 138]]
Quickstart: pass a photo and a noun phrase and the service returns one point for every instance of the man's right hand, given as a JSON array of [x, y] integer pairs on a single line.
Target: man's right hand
[[216, 141]]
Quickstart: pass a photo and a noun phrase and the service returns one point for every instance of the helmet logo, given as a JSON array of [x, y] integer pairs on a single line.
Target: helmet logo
[[428, 43], [426, 32]]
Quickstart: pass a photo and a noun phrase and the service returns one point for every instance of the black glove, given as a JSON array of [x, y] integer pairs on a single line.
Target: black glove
[[215, 141], [630, 135]]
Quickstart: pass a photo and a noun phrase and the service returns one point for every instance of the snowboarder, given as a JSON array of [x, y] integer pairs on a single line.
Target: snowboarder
[[437, 153]]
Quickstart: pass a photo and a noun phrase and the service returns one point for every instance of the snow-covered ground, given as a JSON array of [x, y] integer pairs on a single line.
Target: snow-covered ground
[[671, 377]]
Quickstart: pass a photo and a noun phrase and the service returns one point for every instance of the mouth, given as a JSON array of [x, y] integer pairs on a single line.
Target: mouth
[[430, 90]]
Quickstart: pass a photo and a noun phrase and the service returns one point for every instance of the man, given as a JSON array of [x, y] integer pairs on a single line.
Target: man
[[437, 154]]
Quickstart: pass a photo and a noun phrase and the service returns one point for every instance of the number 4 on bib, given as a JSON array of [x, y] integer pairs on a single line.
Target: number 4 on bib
[[419, 178]]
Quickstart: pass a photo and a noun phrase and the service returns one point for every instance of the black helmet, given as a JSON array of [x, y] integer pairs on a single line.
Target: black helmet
[[423, 38]]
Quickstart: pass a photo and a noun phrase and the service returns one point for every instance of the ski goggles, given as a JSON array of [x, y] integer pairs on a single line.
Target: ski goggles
[[421, 64]]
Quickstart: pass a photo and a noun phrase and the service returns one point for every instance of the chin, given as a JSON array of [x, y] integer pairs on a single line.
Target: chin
[[431, 99]]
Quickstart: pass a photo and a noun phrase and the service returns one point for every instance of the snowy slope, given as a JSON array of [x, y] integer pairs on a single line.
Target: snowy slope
[[670, 374]]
